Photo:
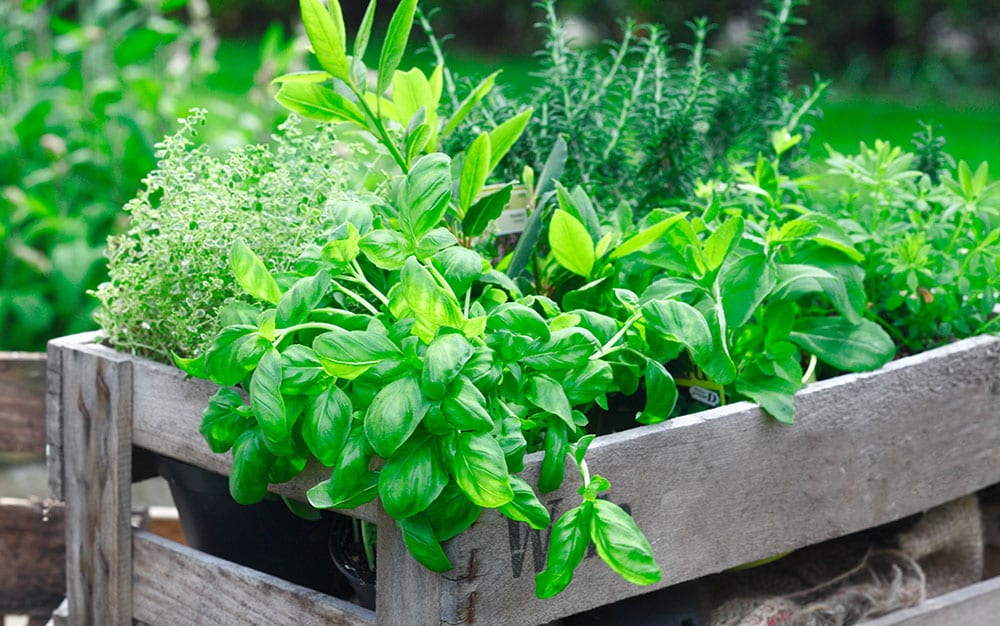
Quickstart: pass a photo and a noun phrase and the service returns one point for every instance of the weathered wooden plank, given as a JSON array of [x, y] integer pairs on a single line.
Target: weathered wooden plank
[[33, 554], [177, 585], [976, 605], [729, 486], [53, 415], [96, 401], [408, 593], [22, 402]]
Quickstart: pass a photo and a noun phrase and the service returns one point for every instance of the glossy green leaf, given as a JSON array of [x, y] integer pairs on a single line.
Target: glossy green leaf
[[418, 140], [364, 32], [621, 544], [446, 355], [588, 382], [327, 424], [251, 274], [432, 306], [504, 136], [386, 249], [549, 396], [567, 546], [351, 483], [348, 354], [233, 354], [519, 319], [682, 323], [411, 92], [452, 513], [485, 210], [301, 371], [774, 393], [571, 244], [565, 349], [645, 237], [269, 405], [326, 36], [299, 301], [343, 247], [319, 103], [480, 470], [526, 507], [475, 169], [475, 97], [744, 285], [302, 77], [460, 267], [412, 477], [846, 346], [394, 414], [721, 242], [661, 394], [464, 407], [251, 465], [425, 195], [420, 541], [556, 447], [396, 38], [221, 422], [436, 240]]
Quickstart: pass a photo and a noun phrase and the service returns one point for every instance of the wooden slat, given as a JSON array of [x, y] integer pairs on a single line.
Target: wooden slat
[[33, 557], [22, 402], [976, 605], [177, 585], [54, 415], [408, 593], [96, 399], [729, 486]]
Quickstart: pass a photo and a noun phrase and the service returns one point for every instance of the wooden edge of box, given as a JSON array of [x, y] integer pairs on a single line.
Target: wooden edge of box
[[975, 604], [175, 584]]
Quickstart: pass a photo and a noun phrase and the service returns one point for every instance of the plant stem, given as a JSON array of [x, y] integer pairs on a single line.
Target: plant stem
[[382, 133], [368, 541], [610, 345], [354, 296], [359, 275]]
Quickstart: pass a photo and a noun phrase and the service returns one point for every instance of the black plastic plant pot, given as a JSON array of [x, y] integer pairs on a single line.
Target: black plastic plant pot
[[265, 536], [348, 553]]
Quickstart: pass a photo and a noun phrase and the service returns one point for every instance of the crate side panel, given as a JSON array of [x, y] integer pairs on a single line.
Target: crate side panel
[[175, 584], [976, 604]]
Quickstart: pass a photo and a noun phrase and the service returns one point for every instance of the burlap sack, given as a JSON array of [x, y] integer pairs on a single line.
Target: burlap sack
[[844, 582]]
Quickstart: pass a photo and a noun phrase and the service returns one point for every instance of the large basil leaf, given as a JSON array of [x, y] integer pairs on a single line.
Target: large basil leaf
[[251, 465], [221, 421], [452, 513], [481, 471], [394, 414], [268, 404], [251, 274], [432, 306], [621, 544], [565, 349], [298, 302], [420, 541], [426, 194], [744, 285], [465, 408], [846, 346], [327, 424], [348, 354], [526, 507], [446, 355], [549, 396], [567, 546], [412, 477]]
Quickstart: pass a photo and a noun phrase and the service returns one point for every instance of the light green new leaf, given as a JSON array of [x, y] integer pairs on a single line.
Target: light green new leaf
[[504, 136], [432, 305], [396, 38], [251, 274], [475, 97], [364, 32], [425, 195], [327, 36], [474, 171], [720, 243], [645, 237], [411, 92], [549, 396], [319, 103], [744, 285], [526, 507], [421, 542], [302, 77], [301, 298], [571, 243], [621, 544], [348, 354]]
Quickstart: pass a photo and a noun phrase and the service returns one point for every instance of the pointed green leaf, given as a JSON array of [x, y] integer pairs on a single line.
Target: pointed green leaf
[[420, 541], [849, 347], [394, 414], [504, 136], [412, 477], [571, 243], [475, 96], [526, 507], [327, 424], [567, 546], [319, 103], [251, 274], [364, 31], [326, 36], [480, 470], [426, 194], [621, 544], [474, 171], [396, 38]]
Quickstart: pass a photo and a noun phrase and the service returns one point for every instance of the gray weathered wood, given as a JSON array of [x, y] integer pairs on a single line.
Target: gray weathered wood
[[175, 585], [408, 593], [96, 402], [977, 605], [33, 556], [54, 414], [729, 486], [22, 409]]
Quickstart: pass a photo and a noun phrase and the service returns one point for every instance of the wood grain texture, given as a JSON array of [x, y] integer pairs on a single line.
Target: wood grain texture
[[22, 402], [176, 585], [96, 402], [33, 556], [729, 486], [408, 593], [53, 414], [976, 605]]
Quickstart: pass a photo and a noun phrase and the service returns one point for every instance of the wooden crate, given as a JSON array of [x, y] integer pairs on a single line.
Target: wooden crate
[[711, 491]]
